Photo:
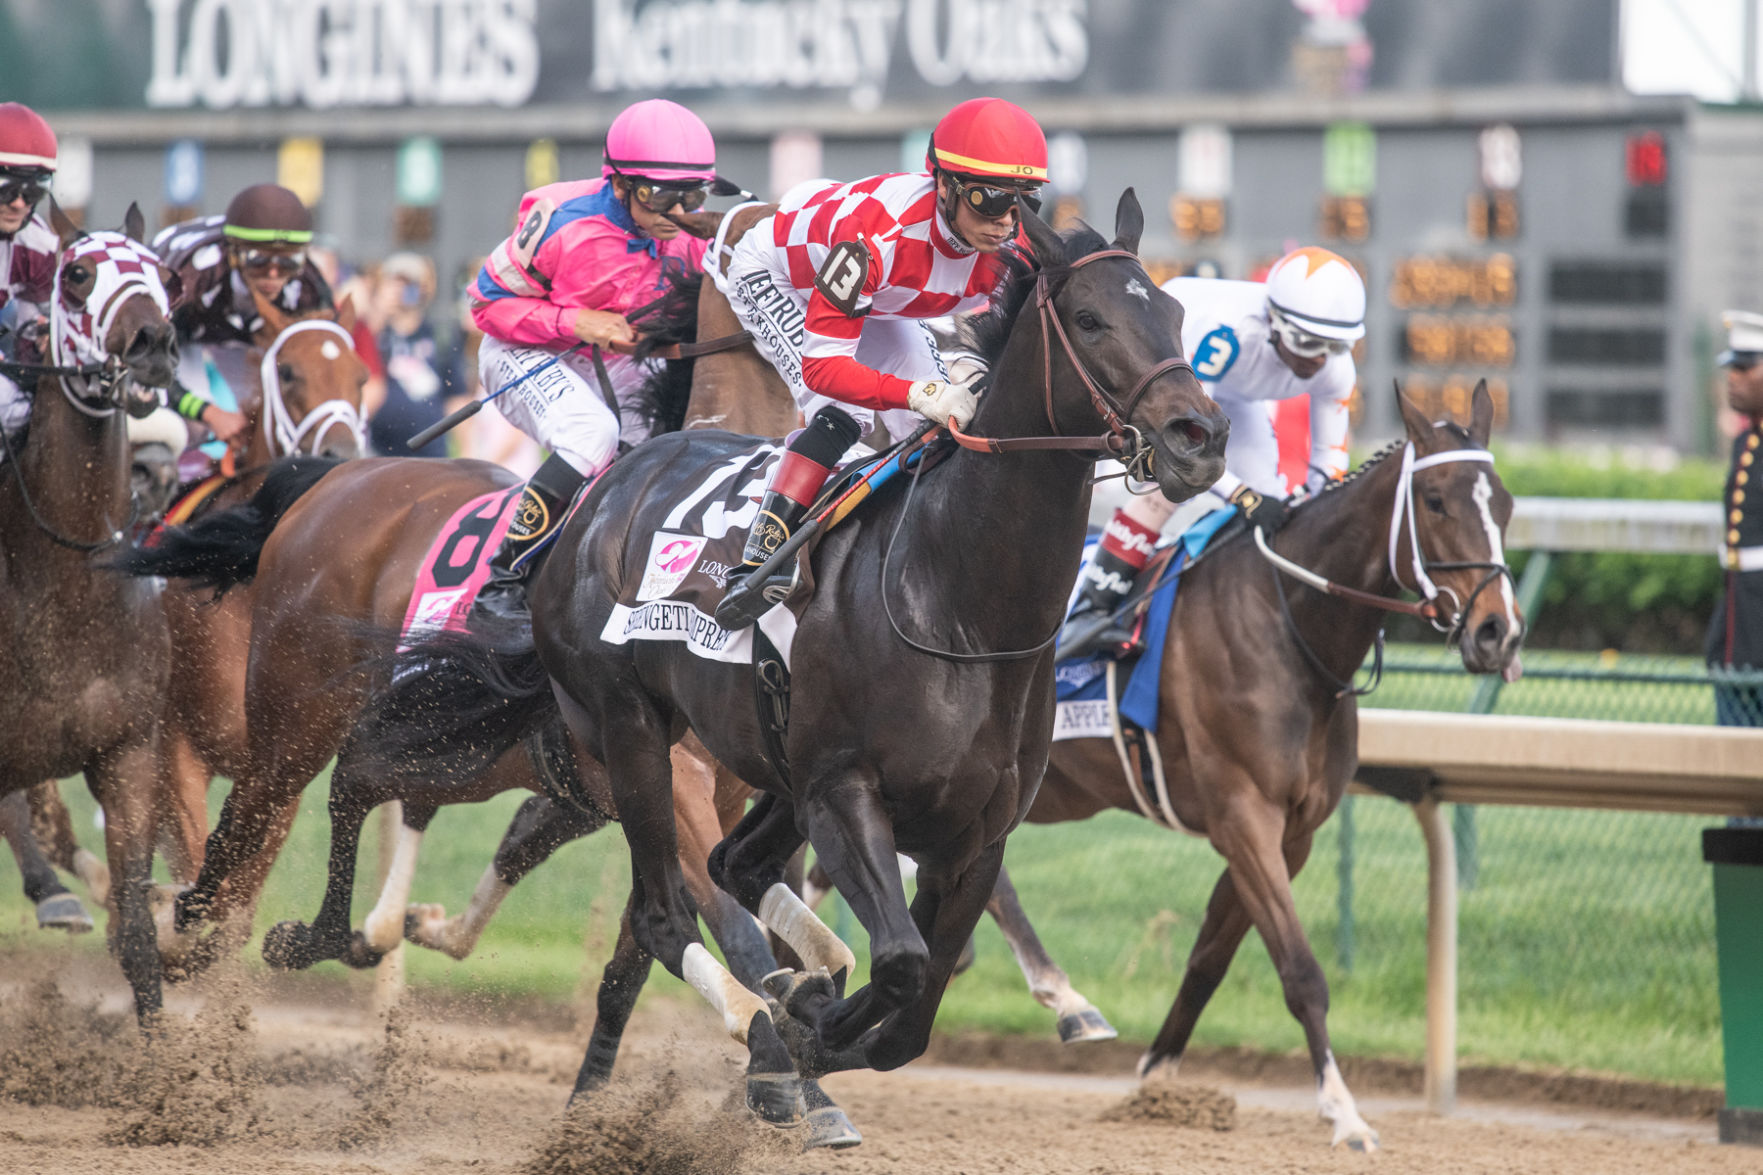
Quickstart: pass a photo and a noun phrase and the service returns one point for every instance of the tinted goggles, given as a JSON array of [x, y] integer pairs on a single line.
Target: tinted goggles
[[272, 260], [660, 197], [992, 202], [30, 191], [1743, 360], [1308, 346]]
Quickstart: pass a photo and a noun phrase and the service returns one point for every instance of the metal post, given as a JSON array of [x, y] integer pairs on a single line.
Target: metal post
[[1441, 958], [1344, 898], [1748, 48], [388, 977]]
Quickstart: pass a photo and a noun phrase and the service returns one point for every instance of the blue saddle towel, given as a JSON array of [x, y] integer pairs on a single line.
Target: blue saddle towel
[[1081, 686]]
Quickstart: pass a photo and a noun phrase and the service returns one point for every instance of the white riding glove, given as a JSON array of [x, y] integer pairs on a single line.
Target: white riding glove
[[943, 402]]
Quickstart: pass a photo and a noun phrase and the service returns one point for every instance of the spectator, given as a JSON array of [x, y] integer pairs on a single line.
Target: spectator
[[411, 356], [1735, 635]]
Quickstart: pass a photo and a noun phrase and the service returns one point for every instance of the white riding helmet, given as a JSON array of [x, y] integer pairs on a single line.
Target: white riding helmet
[[1315, 297]]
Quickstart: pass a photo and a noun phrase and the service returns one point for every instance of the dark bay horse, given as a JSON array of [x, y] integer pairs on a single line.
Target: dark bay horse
[[1257, 739], [82, 651], [930, 743]]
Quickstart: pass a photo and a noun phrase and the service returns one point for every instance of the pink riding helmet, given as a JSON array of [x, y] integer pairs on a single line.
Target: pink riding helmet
[[661, 140]]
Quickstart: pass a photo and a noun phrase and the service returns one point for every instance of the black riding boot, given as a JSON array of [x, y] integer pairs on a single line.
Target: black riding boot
[[1093, 626], [801, 473], [544, 500]]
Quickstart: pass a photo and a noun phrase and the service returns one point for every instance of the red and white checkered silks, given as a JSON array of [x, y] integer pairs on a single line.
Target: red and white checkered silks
[[123, 268]]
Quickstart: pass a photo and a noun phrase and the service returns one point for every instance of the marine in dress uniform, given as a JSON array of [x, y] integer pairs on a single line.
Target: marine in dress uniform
[[1735, 635]]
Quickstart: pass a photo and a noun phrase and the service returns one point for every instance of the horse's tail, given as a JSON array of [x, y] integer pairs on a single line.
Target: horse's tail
[[663, 397], [220, 550], [456, 703]]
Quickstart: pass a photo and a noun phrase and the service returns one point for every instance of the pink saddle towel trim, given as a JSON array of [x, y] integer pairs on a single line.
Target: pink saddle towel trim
[[457, 566]]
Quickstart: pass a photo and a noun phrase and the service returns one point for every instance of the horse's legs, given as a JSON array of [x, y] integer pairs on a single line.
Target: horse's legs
[[540, 827], [1221, 932], [620, 984], [121, 781], [328, 936], [752, 865], [253, 822], [383, 928], [1078, 1018], [182, 802], [52, 825], [57, 908]]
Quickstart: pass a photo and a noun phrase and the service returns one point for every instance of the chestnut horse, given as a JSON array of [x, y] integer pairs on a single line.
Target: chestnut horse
[[932, 744], [83, 652]]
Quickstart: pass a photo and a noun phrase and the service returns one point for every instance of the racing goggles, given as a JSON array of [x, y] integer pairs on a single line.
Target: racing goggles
[[272, 260], [993, 202], [1305, 345], [31, 191], [657, 197]]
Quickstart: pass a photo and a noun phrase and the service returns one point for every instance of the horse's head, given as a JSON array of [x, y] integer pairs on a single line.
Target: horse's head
[[109, 315], [1456, 514], [310, 380], [1117, 364]]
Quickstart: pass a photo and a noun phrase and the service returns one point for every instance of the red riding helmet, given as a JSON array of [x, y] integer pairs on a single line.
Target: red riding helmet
[[992, 139], [27, 145]]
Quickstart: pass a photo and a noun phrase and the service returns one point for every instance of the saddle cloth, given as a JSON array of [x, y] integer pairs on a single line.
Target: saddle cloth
[[689, 561], [456, 566]]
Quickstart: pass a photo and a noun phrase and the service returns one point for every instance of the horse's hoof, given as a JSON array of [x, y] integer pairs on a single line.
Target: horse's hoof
[[1084, 1027], [360, 955], [776, 1098], [423, 923], [287, 946], [162, 907], [63, 911], [830, 1129], [800, 993], [1363, 1140]]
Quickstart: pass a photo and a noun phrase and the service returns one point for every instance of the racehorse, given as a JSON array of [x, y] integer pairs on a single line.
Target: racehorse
[[82, 651], [934, 748]]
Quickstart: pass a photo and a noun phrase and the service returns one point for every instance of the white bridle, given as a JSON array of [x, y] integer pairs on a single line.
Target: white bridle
[[279, 428], [76, 337], [1404, 507]]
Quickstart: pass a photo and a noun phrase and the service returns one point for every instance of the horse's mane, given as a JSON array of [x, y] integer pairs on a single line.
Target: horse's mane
[[1456, 430], [664, 396], [986, 332]]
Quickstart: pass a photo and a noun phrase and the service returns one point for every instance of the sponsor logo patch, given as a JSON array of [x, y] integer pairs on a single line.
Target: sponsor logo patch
[[671, 556]]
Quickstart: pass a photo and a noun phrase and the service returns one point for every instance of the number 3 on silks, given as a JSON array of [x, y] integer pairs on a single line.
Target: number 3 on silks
[[840, 279], [1215, 353]]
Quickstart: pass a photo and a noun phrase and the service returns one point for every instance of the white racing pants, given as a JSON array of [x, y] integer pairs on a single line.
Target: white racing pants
[[776, 315], [561, 406]]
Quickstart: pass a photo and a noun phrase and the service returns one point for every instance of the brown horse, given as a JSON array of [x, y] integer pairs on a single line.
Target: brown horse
[[83, 652], [1256, 727]]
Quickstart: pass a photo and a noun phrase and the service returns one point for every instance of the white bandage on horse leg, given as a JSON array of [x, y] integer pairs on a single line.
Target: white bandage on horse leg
[[384, 928], [807, 935], [719, 989], [1334, 1103]]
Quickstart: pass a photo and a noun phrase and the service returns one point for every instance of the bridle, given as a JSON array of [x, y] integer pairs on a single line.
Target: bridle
[[1427, 608], [281, 432], [1122, 440], [76, 343]]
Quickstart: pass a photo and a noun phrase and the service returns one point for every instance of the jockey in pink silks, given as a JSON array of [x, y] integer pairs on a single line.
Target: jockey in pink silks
[[583, 254]]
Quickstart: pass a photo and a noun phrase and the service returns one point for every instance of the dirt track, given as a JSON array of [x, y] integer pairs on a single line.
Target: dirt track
[[251, 1083]]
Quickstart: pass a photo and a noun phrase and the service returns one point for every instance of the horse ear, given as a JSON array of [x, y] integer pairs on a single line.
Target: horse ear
[[1481, 414], [1129, 222], [1419, 427], [134, 225], [1049, 249], [67, 230], [274, 321], [346, 313]]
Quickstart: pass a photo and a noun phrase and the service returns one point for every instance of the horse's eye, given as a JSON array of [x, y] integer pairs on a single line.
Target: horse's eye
[[1087, 320], [1435, 503], [74, 274], [285, 372]]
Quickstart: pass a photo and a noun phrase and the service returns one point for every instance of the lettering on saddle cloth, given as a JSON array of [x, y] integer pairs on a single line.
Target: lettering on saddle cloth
[[457, 566], [687, 564]]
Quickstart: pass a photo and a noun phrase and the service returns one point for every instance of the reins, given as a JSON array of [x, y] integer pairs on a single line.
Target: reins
[[42, 524]]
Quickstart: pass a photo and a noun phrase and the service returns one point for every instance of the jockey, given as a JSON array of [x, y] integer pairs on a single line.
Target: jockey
[[583, 254], [835, 288], [28, 247], [258, 246], [1251, 343]]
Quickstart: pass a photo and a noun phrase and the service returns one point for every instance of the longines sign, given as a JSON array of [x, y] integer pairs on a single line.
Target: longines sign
[[324, 53]]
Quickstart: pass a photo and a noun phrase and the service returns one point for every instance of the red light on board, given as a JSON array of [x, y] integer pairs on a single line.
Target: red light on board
[[1646, 159]]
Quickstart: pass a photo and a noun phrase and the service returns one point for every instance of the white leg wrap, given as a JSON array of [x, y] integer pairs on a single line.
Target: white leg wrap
[[461, 934], [807, 935], [719, 989], [1334, 1102], [384, 928]]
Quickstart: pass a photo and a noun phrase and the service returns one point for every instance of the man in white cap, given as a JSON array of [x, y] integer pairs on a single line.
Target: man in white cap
[[1252, 344], [1735, 635]]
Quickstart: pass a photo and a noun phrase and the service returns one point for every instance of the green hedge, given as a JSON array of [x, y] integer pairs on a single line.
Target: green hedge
[[1632, 603]]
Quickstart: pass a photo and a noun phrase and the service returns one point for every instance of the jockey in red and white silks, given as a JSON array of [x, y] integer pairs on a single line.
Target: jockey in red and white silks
[[28, 247]]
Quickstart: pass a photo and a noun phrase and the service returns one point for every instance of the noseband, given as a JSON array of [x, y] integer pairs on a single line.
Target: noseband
[[279, 428], [1122, 440]]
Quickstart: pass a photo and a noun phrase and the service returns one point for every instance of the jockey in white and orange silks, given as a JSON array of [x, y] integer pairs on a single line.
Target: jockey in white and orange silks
[[583, 254], [1252, 344], [836, 286]]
